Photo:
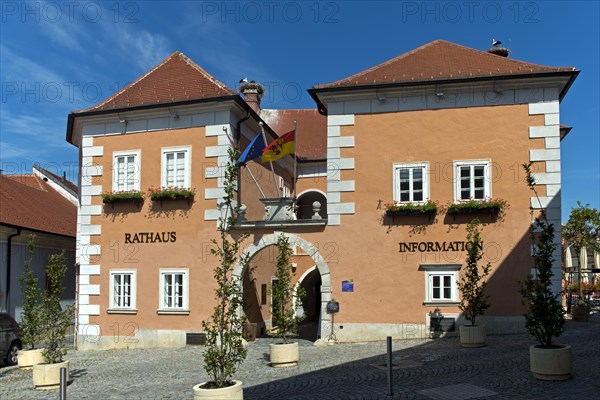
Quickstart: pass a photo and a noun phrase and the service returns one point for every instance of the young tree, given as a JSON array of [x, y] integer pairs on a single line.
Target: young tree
[[225, 349], [545, 316], [284, 319], [30, 317], [581, 231], [55, 321], [472, 284]]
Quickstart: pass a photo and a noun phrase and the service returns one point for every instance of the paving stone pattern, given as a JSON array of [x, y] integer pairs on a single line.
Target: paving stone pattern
[[423, 369]]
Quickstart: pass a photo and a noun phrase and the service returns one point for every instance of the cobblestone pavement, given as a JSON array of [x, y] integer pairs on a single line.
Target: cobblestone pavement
[[424, 369]]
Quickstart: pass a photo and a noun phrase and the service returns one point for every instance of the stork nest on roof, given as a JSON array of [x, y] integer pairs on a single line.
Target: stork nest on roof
[[260, 89], [499, 51]]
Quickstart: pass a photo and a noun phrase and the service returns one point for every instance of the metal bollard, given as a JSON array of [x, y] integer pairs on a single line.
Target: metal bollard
[[63, 384], [389, 366]]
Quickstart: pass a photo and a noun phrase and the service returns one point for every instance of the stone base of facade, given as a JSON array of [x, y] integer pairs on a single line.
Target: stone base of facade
[[344, 333], [353, 332], [143, 339]]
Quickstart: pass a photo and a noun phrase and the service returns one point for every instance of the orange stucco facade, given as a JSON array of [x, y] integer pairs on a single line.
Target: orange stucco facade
[[384, 271]]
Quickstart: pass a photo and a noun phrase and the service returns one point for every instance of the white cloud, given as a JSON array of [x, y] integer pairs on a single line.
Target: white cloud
[[144, 48], [16, 68], [64, 33], [41, 128], [9, 151]]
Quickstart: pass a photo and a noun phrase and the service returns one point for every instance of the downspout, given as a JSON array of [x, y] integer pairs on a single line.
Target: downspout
[[237, 136], [8, 262]]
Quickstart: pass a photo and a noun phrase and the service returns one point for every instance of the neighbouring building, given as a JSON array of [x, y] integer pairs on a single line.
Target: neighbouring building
[[43, 204], [442, 123]]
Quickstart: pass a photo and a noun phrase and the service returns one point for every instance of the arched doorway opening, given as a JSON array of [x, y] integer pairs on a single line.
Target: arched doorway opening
[[253, 291], [310, 281]]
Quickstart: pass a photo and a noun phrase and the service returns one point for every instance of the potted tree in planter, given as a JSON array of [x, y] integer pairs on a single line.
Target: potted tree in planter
[[225, 330], [545, 315], [55, 322], [284, 319], [581, 232], [30, 317], [472, 285]]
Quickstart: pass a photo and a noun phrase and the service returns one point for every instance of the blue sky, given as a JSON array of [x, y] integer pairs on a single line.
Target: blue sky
[[60, 56]]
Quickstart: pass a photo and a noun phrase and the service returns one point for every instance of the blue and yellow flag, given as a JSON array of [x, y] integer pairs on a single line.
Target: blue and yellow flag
[[254, 150]]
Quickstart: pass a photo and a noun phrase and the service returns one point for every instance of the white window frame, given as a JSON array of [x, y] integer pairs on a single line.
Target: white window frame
[[137, 173], [396, 181], [185, 308], [113, 308], [187, 164], [432, 270], [487, 179]]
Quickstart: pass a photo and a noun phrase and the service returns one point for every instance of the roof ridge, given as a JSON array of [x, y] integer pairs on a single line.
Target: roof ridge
[[135, 82], [176, 54], [498, 58], [391, 60], [204, 72], [449, 58]]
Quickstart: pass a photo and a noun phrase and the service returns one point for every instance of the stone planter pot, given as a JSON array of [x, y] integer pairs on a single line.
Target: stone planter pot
[[28, 358], [553, 364], [284, 355], [234, 392], [472, 336], [47, 376], [580, 313]]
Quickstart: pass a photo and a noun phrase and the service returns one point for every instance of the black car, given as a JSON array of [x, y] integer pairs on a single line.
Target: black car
[[10, 342]]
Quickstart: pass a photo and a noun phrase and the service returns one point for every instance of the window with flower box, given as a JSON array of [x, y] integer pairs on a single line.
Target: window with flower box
[[411, 183], [472, 180], [176, 166], [122, 289], [174, 291], [126, 171]]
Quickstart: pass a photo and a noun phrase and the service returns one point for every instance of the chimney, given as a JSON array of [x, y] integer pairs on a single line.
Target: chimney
[[252, 92]]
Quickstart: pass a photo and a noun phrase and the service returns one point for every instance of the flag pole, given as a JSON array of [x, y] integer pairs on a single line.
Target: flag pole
[[295, 157], [255, 181], [262, 129]]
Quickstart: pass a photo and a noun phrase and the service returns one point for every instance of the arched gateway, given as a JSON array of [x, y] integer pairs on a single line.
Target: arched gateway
[[308, 248]]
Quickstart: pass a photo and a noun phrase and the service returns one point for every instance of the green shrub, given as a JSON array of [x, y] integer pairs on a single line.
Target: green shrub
[[30, 293]]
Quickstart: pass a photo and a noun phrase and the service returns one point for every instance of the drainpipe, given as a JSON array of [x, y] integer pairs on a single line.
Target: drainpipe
[[8, 261], [237, 136]]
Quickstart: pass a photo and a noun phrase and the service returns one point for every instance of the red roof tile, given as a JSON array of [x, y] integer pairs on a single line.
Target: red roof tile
[[441, 60], [29, 202], [176, 78], [311, 134]]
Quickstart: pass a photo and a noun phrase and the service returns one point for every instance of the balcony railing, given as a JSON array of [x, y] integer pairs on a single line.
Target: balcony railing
[[280, 213]]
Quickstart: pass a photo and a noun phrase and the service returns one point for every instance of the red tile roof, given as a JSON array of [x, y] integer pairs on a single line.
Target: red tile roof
[[311, 134], [176, 78], [29, 202], [441, 60]]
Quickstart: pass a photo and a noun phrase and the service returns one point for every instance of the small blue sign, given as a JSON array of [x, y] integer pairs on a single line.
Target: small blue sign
[[348, 286]]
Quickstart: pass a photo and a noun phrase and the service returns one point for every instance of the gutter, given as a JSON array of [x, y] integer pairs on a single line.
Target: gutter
[[323, 110], [8, 267], [39, 231]]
